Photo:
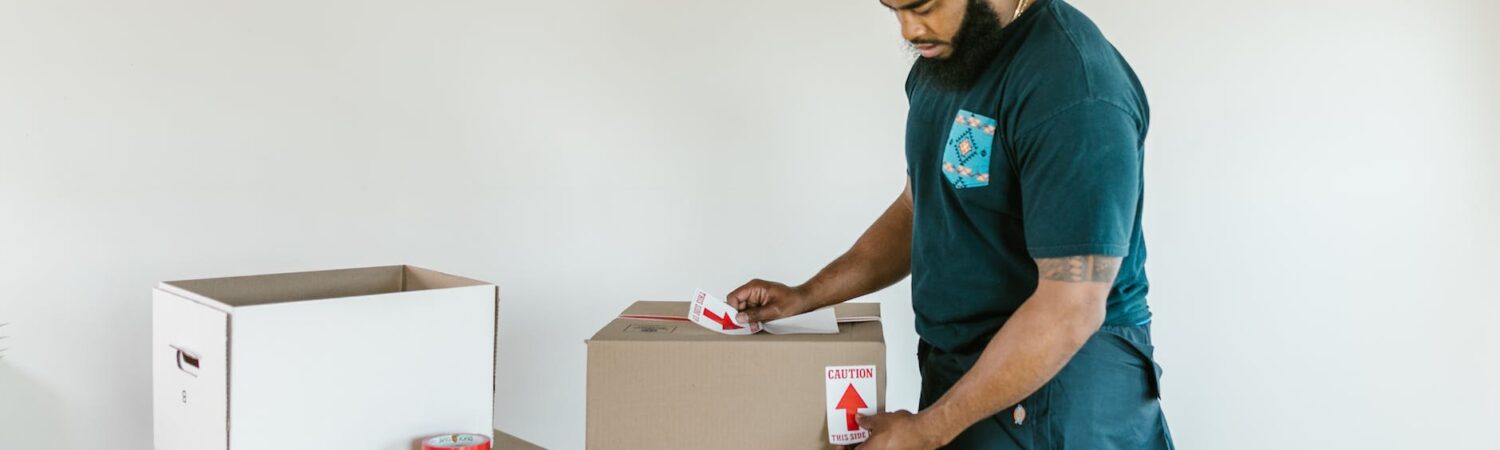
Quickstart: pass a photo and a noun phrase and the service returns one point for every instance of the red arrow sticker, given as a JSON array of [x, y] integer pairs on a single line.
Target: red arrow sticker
[[715, 314], [851, 391], [723, 321], [850, 404]]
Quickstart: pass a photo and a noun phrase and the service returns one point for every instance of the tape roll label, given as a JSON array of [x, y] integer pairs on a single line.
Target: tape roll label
[[457, 441]]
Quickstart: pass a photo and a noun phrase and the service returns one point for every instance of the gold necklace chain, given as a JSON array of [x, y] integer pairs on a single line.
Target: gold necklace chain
[[1020, 7]]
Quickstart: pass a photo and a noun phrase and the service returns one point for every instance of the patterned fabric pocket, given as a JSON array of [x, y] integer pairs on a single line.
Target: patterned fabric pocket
[[966, 156]]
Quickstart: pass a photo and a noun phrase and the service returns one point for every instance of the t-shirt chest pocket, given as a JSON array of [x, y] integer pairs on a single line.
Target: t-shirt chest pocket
[[969, 150], [974, 163]]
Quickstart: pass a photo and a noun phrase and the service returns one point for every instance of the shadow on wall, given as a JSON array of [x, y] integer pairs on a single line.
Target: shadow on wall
[[31, 414]]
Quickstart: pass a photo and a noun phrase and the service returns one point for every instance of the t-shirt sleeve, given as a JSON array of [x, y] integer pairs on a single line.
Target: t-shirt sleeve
[[911, 80], [1080, 176]]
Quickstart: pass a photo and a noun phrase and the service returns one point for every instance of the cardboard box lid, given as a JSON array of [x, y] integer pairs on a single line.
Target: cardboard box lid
[[677, 329]]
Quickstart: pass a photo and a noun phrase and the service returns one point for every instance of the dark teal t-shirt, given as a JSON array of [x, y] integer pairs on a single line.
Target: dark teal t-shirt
[[1040, 158]]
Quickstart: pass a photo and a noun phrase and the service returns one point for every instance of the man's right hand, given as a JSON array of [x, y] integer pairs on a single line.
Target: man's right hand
[[764, 301]]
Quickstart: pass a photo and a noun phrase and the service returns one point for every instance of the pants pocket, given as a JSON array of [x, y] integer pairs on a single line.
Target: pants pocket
[[1147, 353], [1106, 398]]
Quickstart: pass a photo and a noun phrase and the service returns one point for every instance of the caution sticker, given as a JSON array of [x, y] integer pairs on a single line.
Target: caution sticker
[[717, 315], [851, 392]]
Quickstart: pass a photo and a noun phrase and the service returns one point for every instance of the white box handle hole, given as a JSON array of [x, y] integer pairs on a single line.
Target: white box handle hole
[[187, 361]]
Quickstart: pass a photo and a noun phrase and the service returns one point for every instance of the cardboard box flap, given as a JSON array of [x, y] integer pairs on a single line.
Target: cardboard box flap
[[664, 310], [503, 441], [846, 312], [667, 321], [299, 286], [857, 312]]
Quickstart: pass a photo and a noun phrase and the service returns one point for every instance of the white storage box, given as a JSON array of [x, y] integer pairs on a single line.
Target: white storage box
[[370, 359]]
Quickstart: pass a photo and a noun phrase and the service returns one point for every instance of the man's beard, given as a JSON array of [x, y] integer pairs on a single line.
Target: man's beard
[[973, 46]]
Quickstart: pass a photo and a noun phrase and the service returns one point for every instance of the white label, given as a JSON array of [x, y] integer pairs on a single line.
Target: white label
[[851, 391], [456, 441], [820, 321]]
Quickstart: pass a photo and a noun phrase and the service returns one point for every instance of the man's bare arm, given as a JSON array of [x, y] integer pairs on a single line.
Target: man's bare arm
[[1033, 346], [881, 257]]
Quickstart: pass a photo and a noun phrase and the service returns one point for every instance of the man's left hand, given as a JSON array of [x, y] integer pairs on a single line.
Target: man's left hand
[[900, 430]]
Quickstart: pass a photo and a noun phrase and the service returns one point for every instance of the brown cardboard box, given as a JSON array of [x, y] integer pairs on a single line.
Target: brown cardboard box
[[504, 441], [675, 385]]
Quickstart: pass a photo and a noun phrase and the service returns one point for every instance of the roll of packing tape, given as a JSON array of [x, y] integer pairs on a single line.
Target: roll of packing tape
[[457, 442]]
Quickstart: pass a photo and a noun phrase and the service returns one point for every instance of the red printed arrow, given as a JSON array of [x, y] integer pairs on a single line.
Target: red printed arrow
[[851, 403], [722, 320]]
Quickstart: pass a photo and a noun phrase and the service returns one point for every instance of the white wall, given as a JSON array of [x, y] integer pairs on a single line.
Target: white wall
[[1321, 216], [1320, 187]]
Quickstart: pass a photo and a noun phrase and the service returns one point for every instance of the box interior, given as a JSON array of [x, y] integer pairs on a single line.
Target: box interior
[[300, 286]]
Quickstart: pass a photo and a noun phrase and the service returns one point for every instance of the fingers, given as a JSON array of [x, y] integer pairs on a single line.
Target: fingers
[[760, 314], [752, 294], [737, 296], [755, 294], [871, 422]]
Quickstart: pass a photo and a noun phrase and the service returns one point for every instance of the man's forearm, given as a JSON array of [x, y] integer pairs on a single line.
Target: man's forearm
[[881, 257], [1030, 349]]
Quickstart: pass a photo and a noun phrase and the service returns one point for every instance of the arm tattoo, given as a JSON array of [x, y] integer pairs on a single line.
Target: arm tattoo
[[1077, 269]]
